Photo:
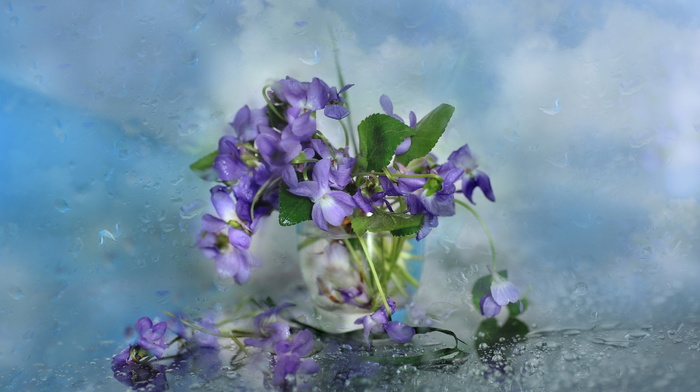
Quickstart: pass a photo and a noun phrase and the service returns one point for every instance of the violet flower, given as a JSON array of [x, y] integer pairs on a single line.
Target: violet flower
[[335, 109], [140, 376], [380, 321], [271, 330], [502, 293], [341, 164], [228, 164], [302, 97], [151, 337], [222, 241], [473, 178], [247, 121], [277, 153], [289, 357], [330, 207], [204, 339]]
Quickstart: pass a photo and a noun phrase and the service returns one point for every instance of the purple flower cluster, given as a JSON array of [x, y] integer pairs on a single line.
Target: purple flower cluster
[[273, 334], [279, 147]]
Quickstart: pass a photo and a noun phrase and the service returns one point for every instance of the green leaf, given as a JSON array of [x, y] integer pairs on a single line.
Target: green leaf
[[380, 134], [381, 221], [428, 132], [205, 162], [490, 332], [514, 307], [293, 209], [483, 286]]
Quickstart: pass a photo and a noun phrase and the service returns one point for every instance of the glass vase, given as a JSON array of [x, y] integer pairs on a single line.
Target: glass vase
[[340, 280]]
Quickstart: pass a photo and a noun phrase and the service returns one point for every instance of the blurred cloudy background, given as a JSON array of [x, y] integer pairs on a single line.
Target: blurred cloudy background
[[586, 115]]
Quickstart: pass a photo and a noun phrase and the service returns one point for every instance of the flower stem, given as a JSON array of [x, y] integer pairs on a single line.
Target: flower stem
[[374, 274], [486, 230], [269, 103]]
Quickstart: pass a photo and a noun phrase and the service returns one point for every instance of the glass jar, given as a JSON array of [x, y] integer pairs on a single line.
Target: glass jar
[[340, 281]]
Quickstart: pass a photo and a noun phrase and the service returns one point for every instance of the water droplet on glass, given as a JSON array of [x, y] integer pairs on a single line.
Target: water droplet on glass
[[190, 210], [14, 21], [15, 292], [77, 246], [553, 109], [167, 227], [636, 335], [631, 86], [61, 205], [198, 23], [177, 180], [188, 130], [581, 288]]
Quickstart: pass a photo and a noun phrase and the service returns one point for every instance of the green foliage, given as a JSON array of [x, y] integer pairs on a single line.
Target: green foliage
[[379, 134], [293, 209], [428, 131], [205, 162], [378, 222], [490, 332]]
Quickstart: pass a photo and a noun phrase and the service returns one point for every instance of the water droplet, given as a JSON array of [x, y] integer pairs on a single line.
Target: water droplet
[[77, 246], [194, 59], [198, 23], [190, 210], [311, 60], [631, 86], [551, 110], [636, 335], [167, 227], [177, 180], [188, 130], [15, 292], [61, 205], [581, 288], [612, 342], [14, 21], [28, 336]]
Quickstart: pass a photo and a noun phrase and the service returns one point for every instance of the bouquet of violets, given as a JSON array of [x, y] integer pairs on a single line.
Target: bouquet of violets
[[363, 205]]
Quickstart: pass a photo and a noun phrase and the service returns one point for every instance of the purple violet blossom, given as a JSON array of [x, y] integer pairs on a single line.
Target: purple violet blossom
[[204, 339], [502, 293], [271, 330], [473, 178], [289, 357], [302, 97], [335, 109], [380, 321], [151, 337], [247, 121], [341, 164], [222, 241], [278, 153], [228, 164], [329, 206]]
